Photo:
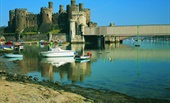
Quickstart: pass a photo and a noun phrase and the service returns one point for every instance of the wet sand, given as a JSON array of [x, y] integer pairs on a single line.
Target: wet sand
[[18, 88]]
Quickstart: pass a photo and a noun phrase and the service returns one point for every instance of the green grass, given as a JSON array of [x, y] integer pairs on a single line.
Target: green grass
[[28, 33], [56, 31], [8, 33]]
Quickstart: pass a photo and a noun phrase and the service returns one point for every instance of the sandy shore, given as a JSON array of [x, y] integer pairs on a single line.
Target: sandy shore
[[15, 92]]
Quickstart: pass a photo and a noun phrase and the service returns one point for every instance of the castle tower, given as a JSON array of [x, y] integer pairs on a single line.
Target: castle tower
[[46, 15], [61, 9], [11, 17], [73, 2], [69, 12], [72, 29], [73, 6], [81, 7], [87, 11], [50, 6], [20, 19]]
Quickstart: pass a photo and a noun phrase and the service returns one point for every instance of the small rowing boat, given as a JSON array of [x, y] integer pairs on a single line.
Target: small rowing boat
[[82, 61], [83, 57], [77, 57]]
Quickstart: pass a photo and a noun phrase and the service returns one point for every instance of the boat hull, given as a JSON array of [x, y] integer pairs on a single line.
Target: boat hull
[[82, 61], [13, 55], [57, 54], [82, 57]]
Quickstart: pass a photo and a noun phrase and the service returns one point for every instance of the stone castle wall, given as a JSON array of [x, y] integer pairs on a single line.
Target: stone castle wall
[[58, 38]]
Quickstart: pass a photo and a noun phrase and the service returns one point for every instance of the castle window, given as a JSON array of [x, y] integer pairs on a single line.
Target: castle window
[[47, 15]]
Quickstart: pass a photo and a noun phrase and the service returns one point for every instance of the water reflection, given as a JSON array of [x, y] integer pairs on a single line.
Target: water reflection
[[74, 71], [33, 61], [119, 67], [58, 61]]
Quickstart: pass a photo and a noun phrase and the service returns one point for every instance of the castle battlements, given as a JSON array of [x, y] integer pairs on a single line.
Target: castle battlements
[[20, 9]]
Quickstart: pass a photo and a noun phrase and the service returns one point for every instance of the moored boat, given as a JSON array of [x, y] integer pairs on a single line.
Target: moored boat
[[13, 55], [83, 57], [6, 48], [82, 61], [77, 57], [58, 52]]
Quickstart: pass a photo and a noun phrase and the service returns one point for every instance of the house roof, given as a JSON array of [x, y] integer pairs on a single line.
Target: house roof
[[2, 38]]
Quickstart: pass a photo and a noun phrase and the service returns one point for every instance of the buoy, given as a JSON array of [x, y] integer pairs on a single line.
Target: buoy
[[89, 53], [110, 59]]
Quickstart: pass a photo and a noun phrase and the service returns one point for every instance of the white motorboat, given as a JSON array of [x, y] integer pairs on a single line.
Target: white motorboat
[[58, 61], [58, 52], [13, 55]]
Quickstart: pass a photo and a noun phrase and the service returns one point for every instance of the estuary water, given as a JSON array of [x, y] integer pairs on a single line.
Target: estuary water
[[142, 72]]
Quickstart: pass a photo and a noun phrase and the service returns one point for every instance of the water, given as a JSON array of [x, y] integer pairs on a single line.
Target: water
[[142, 72]]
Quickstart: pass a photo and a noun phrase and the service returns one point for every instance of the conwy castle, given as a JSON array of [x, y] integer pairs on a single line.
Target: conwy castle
[[71, 21]]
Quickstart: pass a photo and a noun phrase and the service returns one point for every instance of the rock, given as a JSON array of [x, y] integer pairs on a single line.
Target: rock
[[35, 79], [3, 77], [57, 82], [43, 80], [30, 77], [15, 75], [2, 71]]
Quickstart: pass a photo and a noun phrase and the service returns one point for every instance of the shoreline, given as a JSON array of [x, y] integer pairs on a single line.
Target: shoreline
[[54, 92]]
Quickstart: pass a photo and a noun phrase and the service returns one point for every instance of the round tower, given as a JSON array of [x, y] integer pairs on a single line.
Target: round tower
[[111, 24], [73, 2], [81, 7], [50, 5], [61, 9], [46, 15], [11, 16], [20, 19], [72, 29], [68, 12]]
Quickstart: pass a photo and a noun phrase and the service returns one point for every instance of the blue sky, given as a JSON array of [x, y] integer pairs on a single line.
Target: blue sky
[[120, 12]]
